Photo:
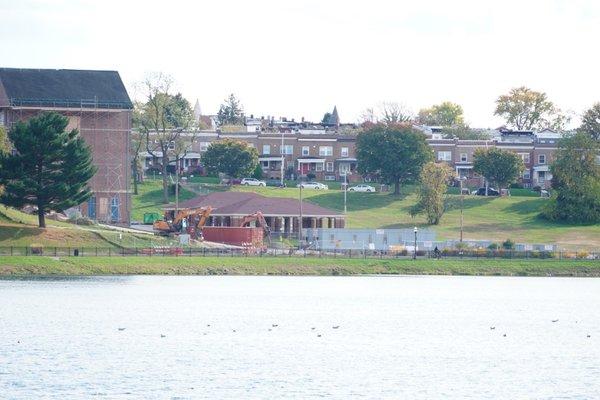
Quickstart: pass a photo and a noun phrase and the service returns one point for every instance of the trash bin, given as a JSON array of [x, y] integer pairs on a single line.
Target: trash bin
[[76, 252]]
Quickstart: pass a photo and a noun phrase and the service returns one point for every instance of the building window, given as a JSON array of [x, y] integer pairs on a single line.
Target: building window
[[329, 167], [325, 150], [114, 209], [463, 157], [319, 167], [527, 174], [288, 149], [444, 156], [264, 164], [204, 146], [305, 150], [541, 159], [330, 177], [172, 145], [542, 176], [344, 168], [91, 204], [344, 152], [266, 149], [525, 157]]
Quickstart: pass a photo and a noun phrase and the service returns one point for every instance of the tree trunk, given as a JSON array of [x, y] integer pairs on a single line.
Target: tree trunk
[[41, 217], [397, 188], [165, 178], [134, 171]]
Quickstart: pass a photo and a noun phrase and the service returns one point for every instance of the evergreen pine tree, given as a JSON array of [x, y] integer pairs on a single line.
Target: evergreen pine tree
[[50, 167]]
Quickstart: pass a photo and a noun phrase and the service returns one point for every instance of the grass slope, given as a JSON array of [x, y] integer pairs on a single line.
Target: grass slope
[[289, 266]]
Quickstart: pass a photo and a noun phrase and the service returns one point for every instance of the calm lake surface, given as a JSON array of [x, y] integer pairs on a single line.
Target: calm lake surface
[[398, 338]]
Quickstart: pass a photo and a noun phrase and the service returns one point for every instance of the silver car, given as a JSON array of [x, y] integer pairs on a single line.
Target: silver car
[[312, 185], [362, 188]]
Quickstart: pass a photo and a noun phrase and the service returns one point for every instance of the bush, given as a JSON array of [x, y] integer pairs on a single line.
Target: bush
[[258, 172], [493, 246], [508, 244], [311, 176], [516, 186]]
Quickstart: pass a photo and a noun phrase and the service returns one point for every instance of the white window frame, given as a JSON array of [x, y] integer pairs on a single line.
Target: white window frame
[[204, 146], [329, 166], [325, 151], [540, 159], [441, 155], [526, 174], [344, 168], [526, 157], [464, 157], [266, 149], [306, 150], [319, 167], [287, 149], [344, 152]]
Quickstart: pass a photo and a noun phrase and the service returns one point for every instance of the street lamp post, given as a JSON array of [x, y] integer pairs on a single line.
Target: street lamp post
[[462, 197], [415, 248]]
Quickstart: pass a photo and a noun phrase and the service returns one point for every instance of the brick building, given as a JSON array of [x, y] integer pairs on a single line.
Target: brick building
[[98, 105]]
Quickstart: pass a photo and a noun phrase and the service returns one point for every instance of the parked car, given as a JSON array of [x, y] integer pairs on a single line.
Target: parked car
[[252, 182], [312, 185], [481, 192], [362, 188]]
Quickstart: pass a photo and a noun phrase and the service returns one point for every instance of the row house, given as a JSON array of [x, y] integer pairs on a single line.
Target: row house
[[330, 156], [535, 149]]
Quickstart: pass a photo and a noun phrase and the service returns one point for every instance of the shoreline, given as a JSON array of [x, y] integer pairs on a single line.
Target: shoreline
[[290, 266]]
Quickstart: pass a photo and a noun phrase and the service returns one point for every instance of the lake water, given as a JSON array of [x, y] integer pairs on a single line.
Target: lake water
[[398, 338]]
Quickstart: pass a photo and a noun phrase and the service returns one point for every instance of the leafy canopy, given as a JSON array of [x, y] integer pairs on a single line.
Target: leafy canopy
[[576, 181], [233, 158], [50, 168], [526, 109], [444, 114], [590, 122], [431, 191], [498, 166], [395, 153]]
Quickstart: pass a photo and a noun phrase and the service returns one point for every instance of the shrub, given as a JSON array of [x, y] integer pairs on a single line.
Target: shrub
[[508, 244], [493, 246], [310, 176]]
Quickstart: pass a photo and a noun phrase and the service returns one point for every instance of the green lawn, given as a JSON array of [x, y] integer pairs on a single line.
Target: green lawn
[[150, 199], [36, 265]]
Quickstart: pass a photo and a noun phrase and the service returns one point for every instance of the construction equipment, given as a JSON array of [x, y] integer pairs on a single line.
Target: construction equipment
[[187, 220], [259, 219]]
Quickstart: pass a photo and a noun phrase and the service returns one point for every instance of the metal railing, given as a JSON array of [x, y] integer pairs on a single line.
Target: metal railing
[[165, 251]]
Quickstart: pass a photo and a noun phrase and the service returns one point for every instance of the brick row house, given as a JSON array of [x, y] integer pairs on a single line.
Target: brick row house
[[96, 104]]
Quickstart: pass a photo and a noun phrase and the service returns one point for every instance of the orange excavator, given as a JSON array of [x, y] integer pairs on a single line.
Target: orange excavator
[[259, 219], [187, 220]]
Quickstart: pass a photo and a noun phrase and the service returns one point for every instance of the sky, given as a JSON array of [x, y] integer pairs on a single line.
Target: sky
[[300, 58]]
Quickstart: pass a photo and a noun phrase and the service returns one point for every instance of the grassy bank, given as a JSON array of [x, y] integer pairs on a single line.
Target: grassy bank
[[11, 266]]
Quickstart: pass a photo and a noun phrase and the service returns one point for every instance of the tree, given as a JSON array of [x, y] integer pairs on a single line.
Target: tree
[[576, 181], [444, 114], [50, 168], [526, 109], [498, 166], [463, 132], [233, 158], [395, 153], [590, 122], [4, 148], [258, 172], [230, 112], [326, 118], [431, 192], [162, 120], [391, 113]]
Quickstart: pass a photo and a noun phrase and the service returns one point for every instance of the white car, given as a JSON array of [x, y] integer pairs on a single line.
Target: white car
[[362, 188], [252, 182], [312, 185]]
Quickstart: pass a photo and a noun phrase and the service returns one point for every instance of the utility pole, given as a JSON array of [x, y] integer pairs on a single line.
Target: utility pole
[[415, 249], [462, 197], [345, 191], [300, 222], [282, 159]]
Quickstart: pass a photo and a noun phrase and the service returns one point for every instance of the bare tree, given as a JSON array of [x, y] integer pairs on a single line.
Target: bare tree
[[163, 119], [394, 113]]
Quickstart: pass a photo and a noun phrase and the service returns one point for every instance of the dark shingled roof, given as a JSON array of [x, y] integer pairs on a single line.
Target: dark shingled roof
[[245, 203], [64, 88]]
